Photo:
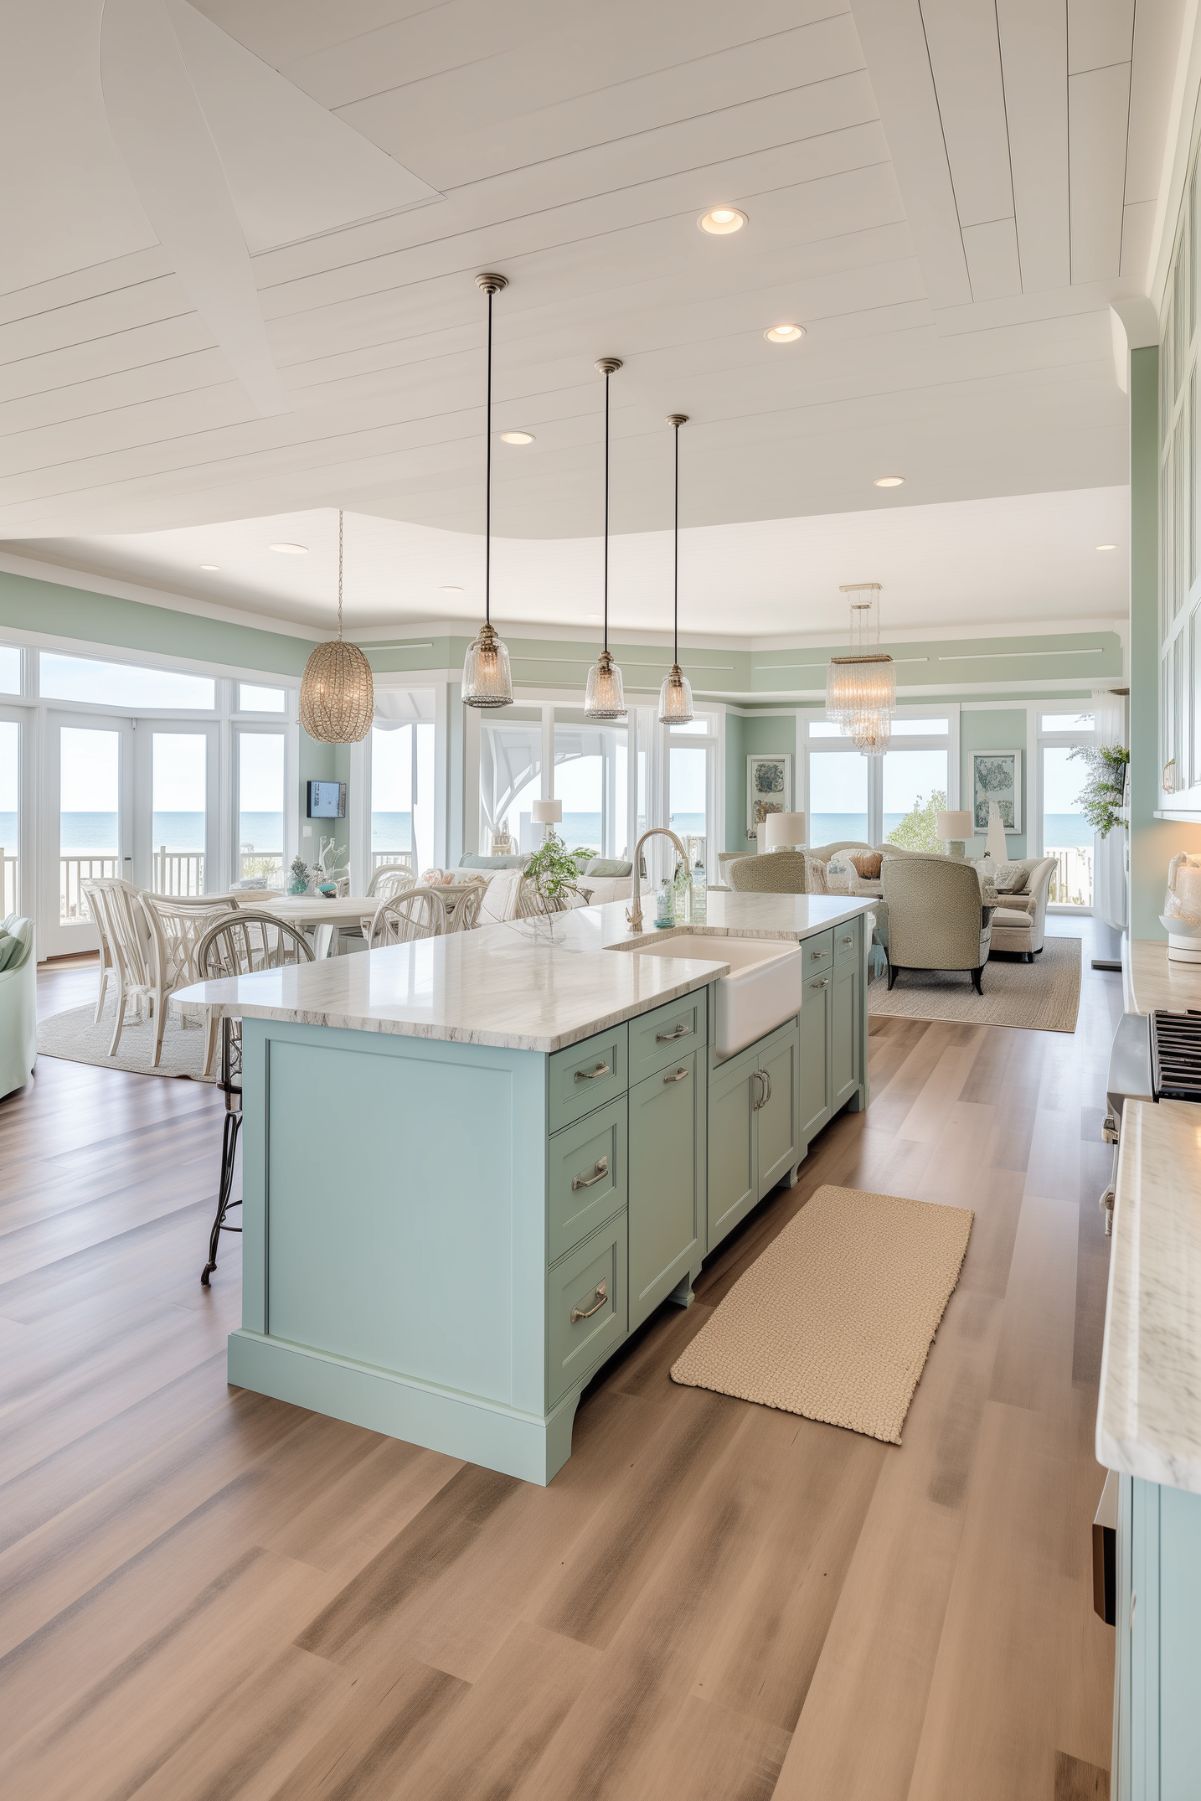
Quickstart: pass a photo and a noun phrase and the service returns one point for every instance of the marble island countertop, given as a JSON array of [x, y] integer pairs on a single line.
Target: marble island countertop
[[526, 985], [1149, 1414]]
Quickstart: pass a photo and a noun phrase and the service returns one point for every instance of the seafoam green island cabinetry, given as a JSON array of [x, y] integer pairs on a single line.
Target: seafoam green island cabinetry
[[1157, 1733]]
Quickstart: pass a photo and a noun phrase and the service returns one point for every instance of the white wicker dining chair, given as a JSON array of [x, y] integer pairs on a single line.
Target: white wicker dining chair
[[463, 902], [240, 944], [415, 914], [176, 923], [93, 900], [391, 878], [117, 907]]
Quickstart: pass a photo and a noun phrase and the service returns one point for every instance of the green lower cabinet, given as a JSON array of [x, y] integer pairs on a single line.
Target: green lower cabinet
[[754, 1140], [815, 1056], [844, 1033], [666, 1182], [1157, 1725]]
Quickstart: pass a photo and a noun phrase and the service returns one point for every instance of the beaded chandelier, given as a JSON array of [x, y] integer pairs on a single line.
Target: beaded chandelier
[[861, 687]]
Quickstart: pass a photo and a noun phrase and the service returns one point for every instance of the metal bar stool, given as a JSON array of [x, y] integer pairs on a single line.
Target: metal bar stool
[[240, 945]]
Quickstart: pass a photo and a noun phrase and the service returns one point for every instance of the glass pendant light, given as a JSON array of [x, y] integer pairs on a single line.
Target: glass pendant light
[[337, 692], [861, 688], [675, 696], [487, 681], [604, 696]]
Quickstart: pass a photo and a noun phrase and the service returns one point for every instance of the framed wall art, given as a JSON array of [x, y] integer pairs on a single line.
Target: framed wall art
[[768, 788], [997, 775]]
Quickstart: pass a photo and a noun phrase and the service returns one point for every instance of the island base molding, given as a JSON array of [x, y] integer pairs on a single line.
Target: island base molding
[[499, 1438]]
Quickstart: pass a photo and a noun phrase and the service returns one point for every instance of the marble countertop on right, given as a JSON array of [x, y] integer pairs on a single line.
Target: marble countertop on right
[[1149, 1411]]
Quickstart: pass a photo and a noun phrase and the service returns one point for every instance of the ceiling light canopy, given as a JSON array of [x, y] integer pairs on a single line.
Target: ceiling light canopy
[[675, 696], [604, 693], [487, 679], [889, 481], [720, 221], [290, 550], [517, 437], [861, 687], [211, 568], [337, 691], [1107, 547], [784, 334]]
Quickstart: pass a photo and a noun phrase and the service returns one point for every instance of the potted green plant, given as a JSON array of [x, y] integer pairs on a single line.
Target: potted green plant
[[298, 876], [554, 872], [1104, 788]]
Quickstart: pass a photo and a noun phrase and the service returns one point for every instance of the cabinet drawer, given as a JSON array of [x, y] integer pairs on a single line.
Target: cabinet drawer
[[586, 1176], [586, 1308], [846, 942], [818, 952], [668, 1034], [587, 1075]]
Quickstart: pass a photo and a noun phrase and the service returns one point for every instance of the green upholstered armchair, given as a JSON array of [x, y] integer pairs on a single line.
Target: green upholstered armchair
[[772, 872], [935, 916], [18, 1004]]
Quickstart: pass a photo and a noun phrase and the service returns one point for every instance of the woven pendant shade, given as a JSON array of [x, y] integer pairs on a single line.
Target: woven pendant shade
[[337, 690], [861, 687]]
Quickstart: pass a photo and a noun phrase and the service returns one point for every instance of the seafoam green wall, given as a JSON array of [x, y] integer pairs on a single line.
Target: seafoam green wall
[[988, 728]]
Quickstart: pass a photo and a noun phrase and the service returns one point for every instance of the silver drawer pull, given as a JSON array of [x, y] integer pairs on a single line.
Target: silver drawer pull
[[599, 1169], [677, 1075], [822, 982], [816, 956], [593, 1075], [848, 942], [601, 1291], [760, 1099], [681, 1031]]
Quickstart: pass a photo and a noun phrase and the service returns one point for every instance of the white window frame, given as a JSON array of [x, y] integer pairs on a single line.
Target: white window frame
[[359, 823], [807, 743], [1037, 740]]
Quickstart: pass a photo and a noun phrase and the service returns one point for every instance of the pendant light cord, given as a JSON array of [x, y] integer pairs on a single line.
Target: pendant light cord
[[339, 575], [675, 590], [606, 627], [488, 479]]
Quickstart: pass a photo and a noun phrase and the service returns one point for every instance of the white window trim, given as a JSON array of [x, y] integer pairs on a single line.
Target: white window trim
[[359, 821], [948, 741]]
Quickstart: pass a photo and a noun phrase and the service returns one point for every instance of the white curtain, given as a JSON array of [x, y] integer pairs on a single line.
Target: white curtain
[[1109, 854]]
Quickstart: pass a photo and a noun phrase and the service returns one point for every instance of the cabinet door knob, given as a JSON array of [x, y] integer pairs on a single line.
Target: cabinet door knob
[[676, 1075], [600, 1294], [593, 1075], [599, 1169], [681, 1031]]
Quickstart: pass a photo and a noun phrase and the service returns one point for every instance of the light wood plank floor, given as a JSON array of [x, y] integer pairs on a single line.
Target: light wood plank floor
[[209, 1594]]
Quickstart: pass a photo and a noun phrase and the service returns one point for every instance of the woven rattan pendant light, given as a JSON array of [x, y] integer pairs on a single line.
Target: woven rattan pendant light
[[487, 680], [675, 696], [604, 694], [337, 693]]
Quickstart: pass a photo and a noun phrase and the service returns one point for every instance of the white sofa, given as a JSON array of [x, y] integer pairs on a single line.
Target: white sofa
[[503, 876], [18, 1004], [1019, 919]]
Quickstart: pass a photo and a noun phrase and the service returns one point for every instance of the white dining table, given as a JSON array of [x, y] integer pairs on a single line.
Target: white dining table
[[314, 915]]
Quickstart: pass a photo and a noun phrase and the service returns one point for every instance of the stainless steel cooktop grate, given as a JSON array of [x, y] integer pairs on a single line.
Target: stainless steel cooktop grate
[[1176, 1056]]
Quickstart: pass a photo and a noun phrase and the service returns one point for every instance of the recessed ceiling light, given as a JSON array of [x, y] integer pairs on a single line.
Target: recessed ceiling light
[[450, 588], [890, 481], [1107, 547], [290, 550], [784, 334], [517, 437], [722, 220], [211, 568]]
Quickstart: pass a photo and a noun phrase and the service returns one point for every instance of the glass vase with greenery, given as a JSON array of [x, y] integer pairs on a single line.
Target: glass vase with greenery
[[1104, 788], [555, 872]]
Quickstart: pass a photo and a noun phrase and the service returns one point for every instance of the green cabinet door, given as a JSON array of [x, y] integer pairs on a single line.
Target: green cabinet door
[[844, 1032], [815, 1056], [666, 1183], [779, 1107], [734, 1092]]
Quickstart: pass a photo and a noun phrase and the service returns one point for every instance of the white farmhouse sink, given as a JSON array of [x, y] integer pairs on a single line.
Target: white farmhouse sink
[[762, 990]]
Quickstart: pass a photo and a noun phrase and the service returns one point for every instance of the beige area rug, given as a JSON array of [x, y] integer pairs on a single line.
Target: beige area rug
[[72, 1036], [835, 1319], [1043, 996]]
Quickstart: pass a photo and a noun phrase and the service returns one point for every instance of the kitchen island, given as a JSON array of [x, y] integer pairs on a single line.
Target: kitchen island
[[473, 1165]]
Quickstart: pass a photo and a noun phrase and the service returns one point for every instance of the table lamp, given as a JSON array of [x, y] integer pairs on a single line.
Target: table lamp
[[784, 831], [953, 828], [547, 813]]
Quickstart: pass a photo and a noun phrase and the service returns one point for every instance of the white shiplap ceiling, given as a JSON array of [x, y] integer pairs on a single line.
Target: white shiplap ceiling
[[947, 196]]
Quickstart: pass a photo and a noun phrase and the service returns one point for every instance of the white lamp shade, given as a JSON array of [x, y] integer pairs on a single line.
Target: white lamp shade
[[782, 830], [954, 827], [547, 812]]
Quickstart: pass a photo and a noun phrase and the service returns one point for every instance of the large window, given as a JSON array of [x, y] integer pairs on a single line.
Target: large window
[[1063, 831], [10, 669], [10, 813], [592, 781], [402, 793], [261, 804], [123, 684], [510, 779], [894, 798], [179, 810]]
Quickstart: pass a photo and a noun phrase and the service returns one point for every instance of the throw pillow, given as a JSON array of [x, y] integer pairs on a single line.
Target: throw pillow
[[1010, 878], [610, 866], [9, 947], [867, 864]]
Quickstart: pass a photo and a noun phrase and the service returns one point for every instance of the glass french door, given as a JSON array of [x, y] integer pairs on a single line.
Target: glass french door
[[12, 726], [176, 843], [88, 790]]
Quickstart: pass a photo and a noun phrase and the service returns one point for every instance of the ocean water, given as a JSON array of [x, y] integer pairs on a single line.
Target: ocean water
[[97, 832]]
